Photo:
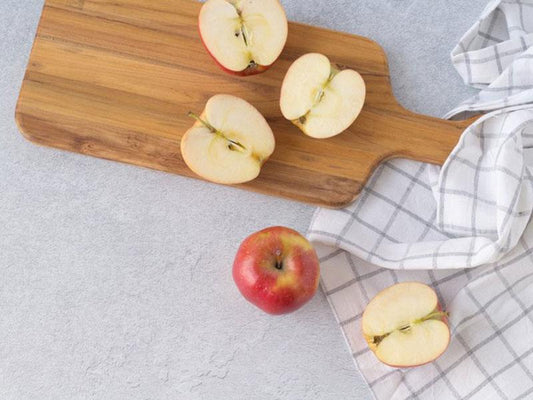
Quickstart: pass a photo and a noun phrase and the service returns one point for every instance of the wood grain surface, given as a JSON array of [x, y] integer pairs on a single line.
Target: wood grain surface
[[115, 79]]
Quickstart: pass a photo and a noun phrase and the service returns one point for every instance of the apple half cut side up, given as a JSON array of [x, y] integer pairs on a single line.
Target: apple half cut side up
[[245, 37], [229, 142], [320, 99], [404, 325]]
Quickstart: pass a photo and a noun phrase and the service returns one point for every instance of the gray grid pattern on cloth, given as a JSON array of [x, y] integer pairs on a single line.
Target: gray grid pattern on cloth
[[420, 222]]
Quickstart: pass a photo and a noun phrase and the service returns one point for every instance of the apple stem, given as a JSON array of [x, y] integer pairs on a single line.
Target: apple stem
[[434, 315], [334, 71], [205, 123], [233, 145], [279, 260], [237, 5]]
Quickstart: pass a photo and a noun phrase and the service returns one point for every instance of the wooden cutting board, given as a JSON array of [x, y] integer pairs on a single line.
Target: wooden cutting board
[[115, 79]]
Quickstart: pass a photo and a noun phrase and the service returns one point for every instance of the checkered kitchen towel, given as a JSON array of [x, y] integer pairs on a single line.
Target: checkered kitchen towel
[[420, 222]]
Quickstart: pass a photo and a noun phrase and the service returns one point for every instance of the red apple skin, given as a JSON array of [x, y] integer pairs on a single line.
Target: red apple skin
[[246, 72], [444, 318], [277, 291]]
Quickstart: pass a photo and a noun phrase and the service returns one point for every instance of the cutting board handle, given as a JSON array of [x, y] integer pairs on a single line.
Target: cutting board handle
[[419, 137]]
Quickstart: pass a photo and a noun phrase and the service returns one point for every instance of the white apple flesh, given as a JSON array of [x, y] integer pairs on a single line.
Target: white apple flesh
[[318, 98], [404, 326], [244, 37], [229, 142]]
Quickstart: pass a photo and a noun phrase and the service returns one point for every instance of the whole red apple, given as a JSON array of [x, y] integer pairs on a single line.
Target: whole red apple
[[277, 270]]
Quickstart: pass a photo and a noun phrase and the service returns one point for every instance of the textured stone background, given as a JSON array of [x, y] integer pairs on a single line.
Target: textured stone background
[[115, 280]]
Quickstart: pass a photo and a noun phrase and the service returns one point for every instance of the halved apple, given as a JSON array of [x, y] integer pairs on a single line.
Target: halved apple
[[230, 141], [320, 99], [244, 37], [404, 325]]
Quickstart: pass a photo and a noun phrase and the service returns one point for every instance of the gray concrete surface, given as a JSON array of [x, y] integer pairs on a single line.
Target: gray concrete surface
[[115, 280]]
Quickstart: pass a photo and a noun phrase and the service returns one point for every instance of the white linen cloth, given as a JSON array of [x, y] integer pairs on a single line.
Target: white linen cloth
[[420, 222]]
